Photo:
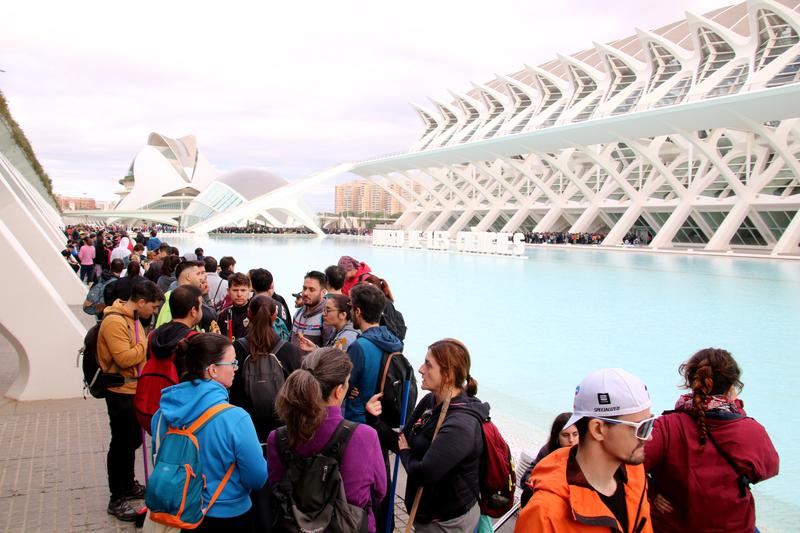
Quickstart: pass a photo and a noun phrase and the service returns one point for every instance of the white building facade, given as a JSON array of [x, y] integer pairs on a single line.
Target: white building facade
[[686, 136]]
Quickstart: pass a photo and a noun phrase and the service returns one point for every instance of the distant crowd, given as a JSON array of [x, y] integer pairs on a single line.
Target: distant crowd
[[268, 413]]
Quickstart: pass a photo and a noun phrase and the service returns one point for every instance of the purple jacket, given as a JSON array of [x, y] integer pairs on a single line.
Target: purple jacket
[[363, 470]]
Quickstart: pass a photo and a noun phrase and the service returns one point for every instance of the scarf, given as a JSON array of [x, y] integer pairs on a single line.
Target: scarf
[[718, 402]]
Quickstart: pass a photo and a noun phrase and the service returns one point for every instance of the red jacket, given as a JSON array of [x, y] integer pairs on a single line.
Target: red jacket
[[348, 283], [699, 484]]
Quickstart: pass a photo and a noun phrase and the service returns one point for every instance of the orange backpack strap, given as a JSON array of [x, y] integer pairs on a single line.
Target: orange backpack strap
[[210, 413], [220, 487]]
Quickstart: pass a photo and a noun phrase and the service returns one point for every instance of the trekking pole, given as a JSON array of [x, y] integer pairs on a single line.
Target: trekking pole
[[390, 515], [144, 436]]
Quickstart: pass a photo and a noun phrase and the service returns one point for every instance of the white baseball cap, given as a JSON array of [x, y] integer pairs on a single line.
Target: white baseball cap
[[609, 392]]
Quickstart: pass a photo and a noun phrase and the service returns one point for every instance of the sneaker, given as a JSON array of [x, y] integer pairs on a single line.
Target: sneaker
[[122, 510], [136, 492]]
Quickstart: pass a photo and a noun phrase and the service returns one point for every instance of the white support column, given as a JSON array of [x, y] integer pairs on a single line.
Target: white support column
[[26, 227], [549, 219], [788, 243], [460, 222], [720, 241], [622, 226], [42, 329]]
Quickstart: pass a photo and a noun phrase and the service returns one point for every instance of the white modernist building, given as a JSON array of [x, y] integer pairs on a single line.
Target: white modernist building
[[171, 182], [687, 135]]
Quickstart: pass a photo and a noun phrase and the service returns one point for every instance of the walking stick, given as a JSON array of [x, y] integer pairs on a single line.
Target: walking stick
[[390, 516], [418, 496], [144, 435]]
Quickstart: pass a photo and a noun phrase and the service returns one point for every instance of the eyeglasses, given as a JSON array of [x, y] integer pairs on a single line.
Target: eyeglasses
[[234, 364], [643, 429]]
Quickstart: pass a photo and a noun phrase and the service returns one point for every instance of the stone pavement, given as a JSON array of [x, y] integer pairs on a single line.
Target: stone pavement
[[52, 462]]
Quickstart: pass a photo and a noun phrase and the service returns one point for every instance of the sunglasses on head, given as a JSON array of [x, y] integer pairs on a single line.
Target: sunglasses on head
[[643, 429]]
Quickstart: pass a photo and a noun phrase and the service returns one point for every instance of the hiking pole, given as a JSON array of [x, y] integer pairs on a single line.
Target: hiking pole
[[390, 515], [144, 436]]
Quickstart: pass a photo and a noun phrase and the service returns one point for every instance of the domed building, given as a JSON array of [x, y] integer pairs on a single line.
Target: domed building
[[233, 189], [169, 181]]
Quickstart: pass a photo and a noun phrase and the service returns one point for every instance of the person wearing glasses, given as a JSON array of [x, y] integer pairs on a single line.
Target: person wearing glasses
[[336, 315], [704, 454], [230, 437], [599, 484]]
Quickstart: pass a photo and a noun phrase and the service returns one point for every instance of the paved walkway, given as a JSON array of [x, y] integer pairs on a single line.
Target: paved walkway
[[52, 462]]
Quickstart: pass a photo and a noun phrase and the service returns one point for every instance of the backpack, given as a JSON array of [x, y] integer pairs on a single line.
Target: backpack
[[262, 377], [395, 370], [95, 381], [311, 497], [174, 493], [157, 375], [394, 321], [95, 296], [497, 477]]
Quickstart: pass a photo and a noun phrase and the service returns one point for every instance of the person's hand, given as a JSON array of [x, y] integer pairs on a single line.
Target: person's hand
[[353, 393], [662, 504], [374, 406], [402, 443], [213, 327], [304, 344]]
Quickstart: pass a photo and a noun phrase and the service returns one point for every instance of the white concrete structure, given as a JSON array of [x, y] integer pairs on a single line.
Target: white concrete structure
[[285, 200], [688, 134], [38, 288], [167, 173], [170, 182]]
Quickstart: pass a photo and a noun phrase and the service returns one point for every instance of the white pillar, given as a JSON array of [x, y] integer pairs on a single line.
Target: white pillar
[[40, 326]]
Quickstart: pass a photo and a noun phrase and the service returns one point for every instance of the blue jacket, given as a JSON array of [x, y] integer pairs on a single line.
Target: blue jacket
[[229, 437], [366, 353]]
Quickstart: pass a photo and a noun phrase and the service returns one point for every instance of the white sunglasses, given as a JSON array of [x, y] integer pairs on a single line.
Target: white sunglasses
[[643, 429]]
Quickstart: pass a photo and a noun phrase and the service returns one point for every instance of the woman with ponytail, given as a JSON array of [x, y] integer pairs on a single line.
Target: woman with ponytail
[[261, 340], [391, 317], [310, 403], [228, 438], [446, 466], [704, 455]]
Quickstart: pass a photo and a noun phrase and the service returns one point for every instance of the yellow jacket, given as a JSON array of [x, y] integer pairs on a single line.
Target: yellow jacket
[[118, 349]]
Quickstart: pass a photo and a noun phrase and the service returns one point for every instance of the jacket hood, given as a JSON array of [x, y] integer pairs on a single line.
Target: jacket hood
[[166, 338], [118, 307], [551, 476], [472, 405], [347, 327], [384, 339], [107, 275], [181, 404]]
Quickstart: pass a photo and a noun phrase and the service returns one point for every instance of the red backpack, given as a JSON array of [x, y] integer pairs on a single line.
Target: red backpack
[[498, 478], [156, 375]]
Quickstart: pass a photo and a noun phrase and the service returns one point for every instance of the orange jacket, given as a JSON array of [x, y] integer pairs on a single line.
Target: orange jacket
[[118, 351], [563, 501]]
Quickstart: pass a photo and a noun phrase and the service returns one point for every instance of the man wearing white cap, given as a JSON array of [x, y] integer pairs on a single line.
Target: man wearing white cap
[[599, 484]]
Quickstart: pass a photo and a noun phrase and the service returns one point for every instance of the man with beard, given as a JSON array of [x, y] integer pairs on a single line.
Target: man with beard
[[599, 484], [308, 321]]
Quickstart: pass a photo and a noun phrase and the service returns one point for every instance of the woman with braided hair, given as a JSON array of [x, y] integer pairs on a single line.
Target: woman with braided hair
[[704, 454]]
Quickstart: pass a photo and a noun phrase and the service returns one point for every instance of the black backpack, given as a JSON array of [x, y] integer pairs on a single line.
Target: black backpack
[[262, 377], [394, 321], [94, 379], [395, 370], [311, 497]]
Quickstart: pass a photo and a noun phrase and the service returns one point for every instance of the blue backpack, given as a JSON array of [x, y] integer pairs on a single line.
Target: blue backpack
[[174, 494]]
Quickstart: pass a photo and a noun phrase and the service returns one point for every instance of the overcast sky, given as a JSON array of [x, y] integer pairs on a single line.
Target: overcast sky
[[289, 87]]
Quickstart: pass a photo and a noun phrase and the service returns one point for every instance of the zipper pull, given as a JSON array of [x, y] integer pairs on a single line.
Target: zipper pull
[[324, 473]]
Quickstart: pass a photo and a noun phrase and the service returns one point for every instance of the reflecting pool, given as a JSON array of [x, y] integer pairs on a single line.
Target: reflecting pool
[[535, 327]]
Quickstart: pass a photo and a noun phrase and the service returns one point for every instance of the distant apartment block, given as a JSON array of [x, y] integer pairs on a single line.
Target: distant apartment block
[[363, 196], [72, 203]]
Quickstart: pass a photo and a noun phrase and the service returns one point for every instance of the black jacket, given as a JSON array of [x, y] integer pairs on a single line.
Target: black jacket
[[448, 467], [164, 339]]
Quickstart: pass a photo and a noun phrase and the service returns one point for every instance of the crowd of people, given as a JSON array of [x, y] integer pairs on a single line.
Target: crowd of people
[[272, 391]]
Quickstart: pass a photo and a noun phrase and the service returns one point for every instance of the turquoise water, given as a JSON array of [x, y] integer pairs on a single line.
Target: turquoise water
[[536, 327]]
